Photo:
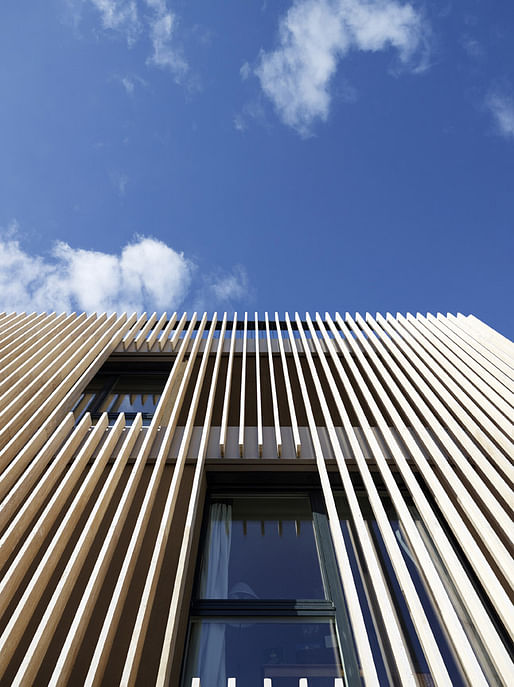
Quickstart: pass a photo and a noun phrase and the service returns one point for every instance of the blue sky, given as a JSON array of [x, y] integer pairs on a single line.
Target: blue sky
[[312, 155]]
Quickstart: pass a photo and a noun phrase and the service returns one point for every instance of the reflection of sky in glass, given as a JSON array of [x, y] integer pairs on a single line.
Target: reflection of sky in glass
[[407, 626], [428, 607], [127, 393], [272, 552], [380, 665], [250, 650], [132, 403]]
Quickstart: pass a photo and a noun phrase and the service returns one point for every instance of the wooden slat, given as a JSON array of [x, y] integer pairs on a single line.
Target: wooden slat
[[5, 318], [20, 618], [478, 375], [228, 387], [461, 337], [242, 396], [13, 324], [43, 635], [462, 400], [106, 636], [27, 345], [176, 334], [33, 378], [414, 604], [158, 329], [141, 337], [134, 331], [135, 649], [390, 622], [80, 621], [491, 403], [274, 399], [501, 355], [289, 393], [439, 391], [184, 563], [37, 429], [30, 393], [412, 363], [490, 335], [11, 500], [258, 386], [7, 322], [359, 628], [460, 529], [446, 609], [485, 347], [31, 325]]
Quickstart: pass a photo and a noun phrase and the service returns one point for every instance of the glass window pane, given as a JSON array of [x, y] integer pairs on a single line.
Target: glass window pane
[[136, 394], [250, 649], [406, 623], [261, 548]]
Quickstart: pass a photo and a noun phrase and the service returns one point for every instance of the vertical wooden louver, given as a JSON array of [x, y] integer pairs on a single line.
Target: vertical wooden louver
[[100, 512]]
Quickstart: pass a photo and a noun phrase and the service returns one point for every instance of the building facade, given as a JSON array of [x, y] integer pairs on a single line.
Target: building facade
[[205, 501]]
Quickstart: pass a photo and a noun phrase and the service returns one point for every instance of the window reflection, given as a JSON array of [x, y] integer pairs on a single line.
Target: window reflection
[[261, 548], [122, 393], [251, 650], [381, 650]]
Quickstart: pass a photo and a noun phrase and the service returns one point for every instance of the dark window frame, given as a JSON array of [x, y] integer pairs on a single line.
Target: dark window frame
[[333, 607], [116, 369]]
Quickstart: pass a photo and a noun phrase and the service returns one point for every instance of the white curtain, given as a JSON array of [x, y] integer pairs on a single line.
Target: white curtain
[[214, 585]]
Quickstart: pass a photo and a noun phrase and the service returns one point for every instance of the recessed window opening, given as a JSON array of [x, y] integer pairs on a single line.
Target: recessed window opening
[[265, 604], [120, 388], [374, 624]]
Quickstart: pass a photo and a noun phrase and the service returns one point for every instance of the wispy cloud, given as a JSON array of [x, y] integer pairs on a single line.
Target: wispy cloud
[[223, 290], [252, 110], [245, 71], [120, 15], [120, 181], [239, 122], [128, 84], [165, 53], [315, 35], [501, 107], [229, 287], [472, 47], [136, 20], [146, 275]]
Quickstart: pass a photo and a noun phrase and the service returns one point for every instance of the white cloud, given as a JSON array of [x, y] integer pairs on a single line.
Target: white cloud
[[134, 18], [120, 15], [161, 28], [501, 107], [128, 84], [120, 181], [315, 35], [252, 110], [231, 287], [146, 275], [472, 47], [223, 290], [239, 122], [245, 71]]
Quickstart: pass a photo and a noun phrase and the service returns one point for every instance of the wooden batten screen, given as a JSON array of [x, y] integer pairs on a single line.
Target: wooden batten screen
[[100, 507]]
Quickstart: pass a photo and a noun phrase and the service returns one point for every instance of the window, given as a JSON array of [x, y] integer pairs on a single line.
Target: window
[[381, 650], [267, 600], [120, 388]]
